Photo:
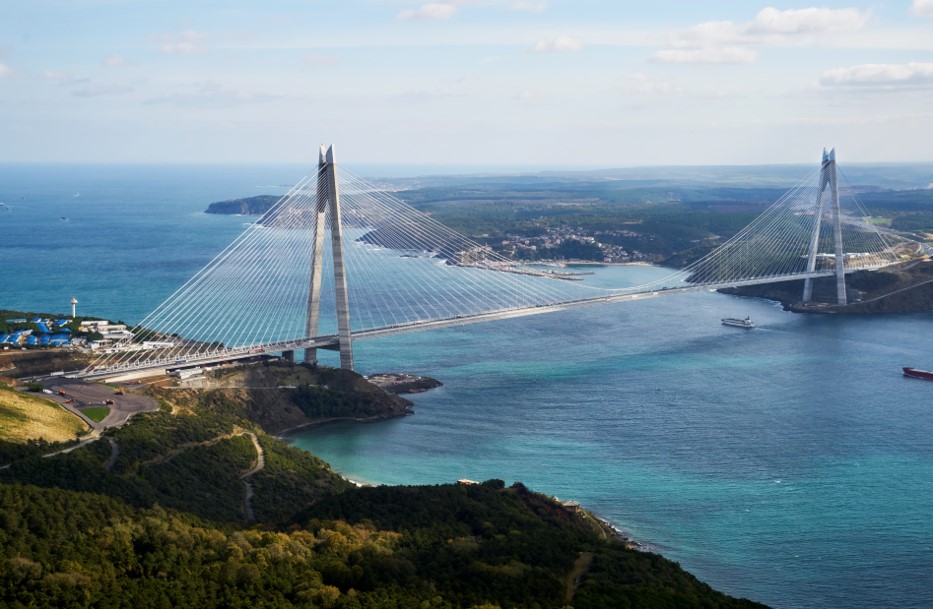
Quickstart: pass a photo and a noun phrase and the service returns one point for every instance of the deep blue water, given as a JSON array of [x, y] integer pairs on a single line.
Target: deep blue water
[[791, 464]]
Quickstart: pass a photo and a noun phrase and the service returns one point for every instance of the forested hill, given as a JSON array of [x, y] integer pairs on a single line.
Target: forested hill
[[197, 506], [477, 546], [249, 206]]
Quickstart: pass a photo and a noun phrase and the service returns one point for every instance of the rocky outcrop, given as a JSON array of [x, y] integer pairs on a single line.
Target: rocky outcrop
[[280, 396]]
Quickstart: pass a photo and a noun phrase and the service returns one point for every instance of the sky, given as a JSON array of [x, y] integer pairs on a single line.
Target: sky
[[531, 83]]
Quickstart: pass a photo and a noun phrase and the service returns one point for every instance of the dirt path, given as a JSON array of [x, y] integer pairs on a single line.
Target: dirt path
[[114, 453], [260, 463], [93, 436], [580, 567], [189, 445]]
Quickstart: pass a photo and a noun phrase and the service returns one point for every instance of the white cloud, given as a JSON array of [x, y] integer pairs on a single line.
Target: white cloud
[[434, 11], [709, 55], [806, 21], [529, 97], [729, 42], [65, 79], [529, 5], [922, 7], [4, 71], [642, 83], [114, 61], [557, 45], [880, 75], [101, 90], [211, 93], [322, 60], [708, 33], [56, 75], [184, 43]]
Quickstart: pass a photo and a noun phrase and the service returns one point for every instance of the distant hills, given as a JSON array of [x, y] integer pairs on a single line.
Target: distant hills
[[249, 206]]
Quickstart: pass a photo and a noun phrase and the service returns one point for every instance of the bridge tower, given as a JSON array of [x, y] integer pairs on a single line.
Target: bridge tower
[[328, 200], [827, 178]]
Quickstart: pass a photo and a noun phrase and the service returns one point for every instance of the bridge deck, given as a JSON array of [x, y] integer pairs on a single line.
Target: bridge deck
[[161, 366]]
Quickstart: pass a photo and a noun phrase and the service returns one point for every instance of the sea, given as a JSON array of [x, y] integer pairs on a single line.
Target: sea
[[791, 464]]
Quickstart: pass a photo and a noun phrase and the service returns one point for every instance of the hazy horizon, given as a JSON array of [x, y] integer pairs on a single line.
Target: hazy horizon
[[519, 83]]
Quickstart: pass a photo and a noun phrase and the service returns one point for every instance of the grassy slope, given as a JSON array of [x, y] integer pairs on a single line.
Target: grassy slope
[[29, 417]]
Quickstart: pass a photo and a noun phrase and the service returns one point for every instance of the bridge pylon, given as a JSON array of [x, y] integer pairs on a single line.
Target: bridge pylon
[[827, 179], [328, 201]]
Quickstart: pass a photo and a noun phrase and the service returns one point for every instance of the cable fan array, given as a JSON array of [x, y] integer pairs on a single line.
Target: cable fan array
[[404, 269], [402, 266], [777, 243]]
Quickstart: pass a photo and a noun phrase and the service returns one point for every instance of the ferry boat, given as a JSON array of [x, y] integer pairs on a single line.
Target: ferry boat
[[738, 323], [918, 374]]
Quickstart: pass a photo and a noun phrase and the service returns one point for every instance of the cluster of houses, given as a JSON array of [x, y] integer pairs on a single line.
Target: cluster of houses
[[54, 333], [524, 246], [48, 333]]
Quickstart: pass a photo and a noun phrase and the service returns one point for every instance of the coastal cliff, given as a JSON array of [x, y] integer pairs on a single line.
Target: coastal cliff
[[280, 396]]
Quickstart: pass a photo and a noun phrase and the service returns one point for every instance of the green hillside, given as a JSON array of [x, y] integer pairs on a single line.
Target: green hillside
[[196, 506]]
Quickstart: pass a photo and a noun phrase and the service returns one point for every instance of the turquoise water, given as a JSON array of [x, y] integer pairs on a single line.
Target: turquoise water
[[791, 464]]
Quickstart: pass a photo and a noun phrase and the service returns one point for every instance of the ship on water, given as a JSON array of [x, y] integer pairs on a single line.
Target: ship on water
[[738, 323], [918, 374]]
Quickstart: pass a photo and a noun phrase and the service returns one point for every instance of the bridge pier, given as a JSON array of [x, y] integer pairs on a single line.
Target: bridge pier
[[827, 178], [328, 199]]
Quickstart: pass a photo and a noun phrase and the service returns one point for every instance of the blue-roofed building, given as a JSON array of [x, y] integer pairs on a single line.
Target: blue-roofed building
[[60, 337], [3, 338], [44, 340], [36, 320], [44, 328], [64, 330], [31, 341], [62, 322], [18, 320]]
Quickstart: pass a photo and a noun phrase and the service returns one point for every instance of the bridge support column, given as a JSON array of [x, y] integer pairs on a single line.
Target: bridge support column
[[827, 178], [328, 199], [317, 257], [837, 234]]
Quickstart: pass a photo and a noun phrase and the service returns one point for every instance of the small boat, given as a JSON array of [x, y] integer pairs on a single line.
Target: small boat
[[918, 374], [738, 323]]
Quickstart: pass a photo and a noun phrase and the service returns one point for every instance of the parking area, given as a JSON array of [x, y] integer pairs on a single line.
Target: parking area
[[76, 395]]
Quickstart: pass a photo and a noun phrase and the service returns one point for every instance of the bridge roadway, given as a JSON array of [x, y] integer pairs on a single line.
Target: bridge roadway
[[164, 365]]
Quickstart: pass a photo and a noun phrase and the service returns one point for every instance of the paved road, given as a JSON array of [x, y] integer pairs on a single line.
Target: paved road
[[95, 394]]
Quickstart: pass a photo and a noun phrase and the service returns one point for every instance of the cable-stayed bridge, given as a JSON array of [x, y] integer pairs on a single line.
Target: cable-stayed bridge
[[337, 259]]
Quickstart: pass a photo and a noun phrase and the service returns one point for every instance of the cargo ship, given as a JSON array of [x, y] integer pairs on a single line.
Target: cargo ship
[[738, 323], [918, 374]]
